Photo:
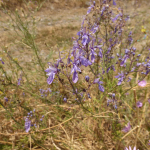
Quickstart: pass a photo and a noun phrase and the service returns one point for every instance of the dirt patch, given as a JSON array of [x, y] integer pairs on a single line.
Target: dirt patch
[[53, 4]]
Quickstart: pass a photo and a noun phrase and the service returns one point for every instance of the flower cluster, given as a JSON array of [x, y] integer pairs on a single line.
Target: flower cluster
[[27, 124], [100, 50], [31, 120], [44, 92], [127, 128]]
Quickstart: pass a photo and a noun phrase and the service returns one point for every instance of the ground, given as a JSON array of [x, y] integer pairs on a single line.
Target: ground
[[54, 23]]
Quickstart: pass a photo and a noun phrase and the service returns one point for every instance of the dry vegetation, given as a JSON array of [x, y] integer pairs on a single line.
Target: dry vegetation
[[65, 126]]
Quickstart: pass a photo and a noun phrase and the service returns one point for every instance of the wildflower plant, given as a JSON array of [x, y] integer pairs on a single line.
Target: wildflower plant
[[102, 51], [103, 60]]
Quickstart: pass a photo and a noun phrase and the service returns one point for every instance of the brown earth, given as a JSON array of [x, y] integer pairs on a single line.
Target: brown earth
[[57, 21]]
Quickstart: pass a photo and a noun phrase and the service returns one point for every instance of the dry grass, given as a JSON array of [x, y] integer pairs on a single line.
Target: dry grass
[[54, 4], [81, 131]]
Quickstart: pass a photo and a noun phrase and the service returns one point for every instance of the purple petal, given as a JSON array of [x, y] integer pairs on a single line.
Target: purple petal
[[100, 53], [96, 80], [50, 78], [142, 83], [127, 128], [127, 18], [1, 60], [85, 62], [114, 3], [108, 69], [85, 39], [87, 78], [116, 18], [19, 80], [124, 61], [119, 82], [75, 68], [101, 88], [92, 58], [134, 148], [89, 10], [139, 104], [75, 77], [6, 99], [27, 125], [51, 69]]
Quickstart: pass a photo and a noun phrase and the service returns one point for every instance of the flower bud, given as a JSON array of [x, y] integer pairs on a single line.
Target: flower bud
[[87, 78]]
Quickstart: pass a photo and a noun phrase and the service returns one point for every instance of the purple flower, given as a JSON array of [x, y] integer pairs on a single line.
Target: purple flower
[[120, 78], [139, 104], [74, 71], [142, 83], [114, 3], [88, 95], [89, 9], [96, 80], [149, 100], [138, 55], [19, 80], [6, 99], [126, 93], [115, 106], [130, 38], [87, 78], [100, 52], [85, 62], [149, 142], [132, 69], [51, 71], [81, 94], [27, 124], [103, 9], [108, 69], [131, 148], [126, 51], [101, 88], [127, 128], [48, 90], [92, 55], [1, 60], [124, 60], [127, 18], [114, 19], [85, 39], [111, 67], [42, 91], [129, 79], [65, 99], [108, 101], [94, 29], [113, 95], [138, 64]]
